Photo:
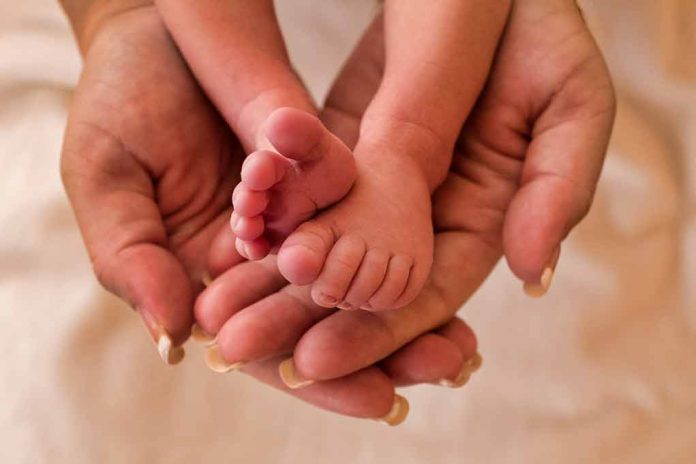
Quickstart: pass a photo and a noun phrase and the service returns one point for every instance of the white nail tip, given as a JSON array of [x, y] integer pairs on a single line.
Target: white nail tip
[[470, 366], [170, 354], [290, 377], [201, 336], [536, 290], [216, 363], [398, 412], [475, 362], [461, 379]]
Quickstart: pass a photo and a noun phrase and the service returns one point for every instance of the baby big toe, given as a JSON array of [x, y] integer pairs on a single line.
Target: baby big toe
[[394, 284], [294, 133], [339, 269]]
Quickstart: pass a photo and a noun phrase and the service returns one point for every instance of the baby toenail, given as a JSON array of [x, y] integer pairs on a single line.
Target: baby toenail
[[329, 300]]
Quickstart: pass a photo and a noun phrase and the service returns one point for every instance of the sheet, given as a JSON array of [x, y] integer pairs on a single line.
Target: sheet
[[601, 370]]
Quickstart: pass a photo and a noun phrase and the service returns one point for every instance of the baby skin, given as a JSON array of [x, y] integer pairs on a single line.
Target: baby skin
[[371, 250], [356, 225]]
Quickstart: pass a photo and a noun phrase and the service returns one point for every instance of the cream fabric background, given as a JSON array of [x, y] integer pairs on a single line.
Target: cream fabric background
[[601, 370]]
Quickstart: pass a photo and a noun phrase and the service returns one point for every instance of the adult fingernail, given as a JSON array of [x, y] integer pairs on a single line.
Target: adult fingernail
[[459, 381], [475, 362], [170, 354], [398, 412], [539, 289], [201, 336], [290, 377], [469, 367], [345, 306], [216, 363]]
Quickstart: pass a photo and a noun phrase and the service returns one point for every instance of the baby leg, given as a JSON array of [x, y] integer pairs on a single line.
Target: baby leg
[[373, 250]]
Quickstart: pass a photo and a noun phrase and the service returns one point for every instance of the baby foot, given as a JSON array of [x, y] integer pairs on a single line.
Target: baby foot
[[310, 170], [374, 249]]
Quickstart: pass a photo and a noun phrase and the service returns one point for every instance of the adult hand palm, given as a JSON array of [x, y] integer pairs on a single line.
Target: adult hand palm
[[532, 151], [148, 166], [522, 175]]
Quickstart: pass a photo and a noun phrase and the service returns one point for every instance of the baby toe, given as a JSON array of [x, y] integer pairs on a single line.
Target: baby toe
[[368, 278], [253, 250], [249, 202], [294, 133], [263, 169], [394, 284], [339, 269], [247, 228]]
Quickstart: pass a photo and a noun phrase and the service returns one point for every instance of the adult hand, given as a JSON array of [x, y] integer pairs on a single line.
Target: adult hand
[[522, 176], [150, 166]]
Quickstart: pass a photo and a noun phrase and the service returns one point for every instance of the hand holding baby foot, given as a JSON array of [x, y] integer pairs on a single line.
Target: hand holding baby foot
[[475, 207], [373, 250], [147, 238]]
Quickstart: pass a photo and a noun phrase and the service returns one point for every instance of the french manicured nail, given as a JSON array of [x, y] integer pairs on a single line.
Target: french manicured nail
[[170, 354], [290, 377], [475, 362], [345, 306], [206, 278], [216, 363], [539, 289], [201, 336], [469, 367], [398, 412]]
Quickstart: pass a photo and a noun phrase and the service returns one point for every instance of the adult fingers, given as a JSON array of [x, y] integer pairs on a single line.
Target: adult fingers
[[113, 198], [365, 394], [348, 341], [447, 357], [237, 288], [560, 173], [268, 326]]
